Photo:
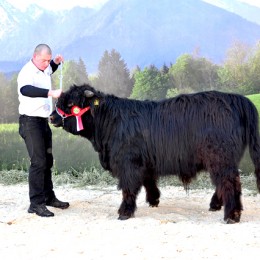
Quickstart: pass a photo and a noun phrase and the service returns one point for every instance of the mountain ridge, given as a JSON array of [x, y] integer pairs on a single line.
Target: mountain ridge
[[144, 33]]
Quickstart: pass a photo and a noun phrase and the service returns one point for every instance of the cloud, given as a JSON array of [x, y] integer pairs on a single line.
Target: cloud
[[251, 2], [57, 4]]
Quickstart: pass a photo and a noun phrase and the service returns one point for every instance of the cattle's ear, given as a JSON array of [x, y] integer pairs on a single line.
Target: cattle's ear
[[88, 93]]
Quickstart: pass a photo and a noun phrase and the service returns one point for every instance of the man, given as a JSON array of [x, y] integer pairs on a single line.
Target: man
[[35, 97]]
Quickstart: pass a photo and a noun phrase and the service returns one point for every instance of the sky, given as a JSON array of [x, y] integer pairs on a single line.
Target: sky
[[68, 4], [57, 4], [251, 2]]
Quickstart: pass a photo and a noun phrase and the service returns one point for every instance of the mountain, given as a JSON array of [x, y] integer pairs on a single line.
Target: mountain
[[21, 31], [154, 32], [248, 12], [143, 32]]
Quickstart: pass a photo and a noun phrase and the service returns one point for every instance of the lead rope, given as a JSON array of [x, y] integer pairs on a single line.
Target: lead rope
[[61, 76]]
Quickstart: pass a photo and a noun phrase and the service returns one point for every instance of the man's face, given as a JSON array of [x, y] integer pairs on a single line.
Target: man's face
[[42, 60]]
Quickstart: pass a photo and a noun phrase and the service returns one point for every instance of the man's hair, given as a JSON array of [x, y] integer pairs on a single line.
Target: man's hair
[[42, 47]]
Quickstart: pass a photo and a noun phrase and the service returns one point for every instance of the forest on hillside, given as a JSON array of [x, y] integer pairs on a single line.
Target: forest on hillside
[[239, 73]]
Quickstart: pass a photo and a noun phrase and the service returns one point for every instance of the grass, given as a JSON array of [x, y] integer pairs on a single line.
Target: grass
[[93, 177], [70, 152], [100, 178], [255, 98]]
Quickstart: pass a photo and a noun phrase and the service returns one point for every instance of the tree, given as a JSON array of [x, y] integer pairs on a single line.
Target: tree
[[113, 75], [164, 69], [72, 73], [253, 85], [179, 72], [13, 103], [82, 72], [233, 75], [150, 84], [4, 98], [8, 99], [193, 74]]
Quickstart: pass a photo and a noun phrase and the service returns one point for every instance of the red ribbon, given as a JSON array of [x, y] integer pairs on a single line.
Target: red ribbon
[[77, 112]]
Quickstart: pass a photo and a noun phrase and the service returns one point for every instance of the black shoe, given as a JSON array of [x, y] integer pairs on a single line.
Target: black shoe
[[40, 210], [57, 203]]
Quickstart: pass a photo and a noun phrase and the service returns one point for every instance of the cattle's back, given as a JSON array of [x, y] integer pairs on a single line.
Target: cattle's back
[[166, 134]]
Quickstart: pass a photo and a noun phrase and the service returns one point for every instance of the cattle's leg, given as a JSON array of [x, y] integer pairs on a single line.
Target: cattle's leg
[[220, 155], [130, 171], [216, 202], [152, 191], [128, 205], [229, 189]]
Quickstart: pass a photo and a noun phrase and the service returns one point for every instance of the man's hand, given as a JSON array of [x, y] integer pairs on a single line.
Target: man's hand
[[58, 59], [55, 93]]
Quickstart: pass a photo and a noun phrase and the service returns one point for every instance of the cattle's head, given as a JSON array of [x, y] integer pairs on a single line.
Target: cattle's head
[[56, 119], [75, 110]]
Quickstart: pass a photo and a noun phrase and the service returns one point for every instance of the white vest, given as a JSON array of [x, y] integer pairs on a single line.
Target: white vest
[[36, 106]]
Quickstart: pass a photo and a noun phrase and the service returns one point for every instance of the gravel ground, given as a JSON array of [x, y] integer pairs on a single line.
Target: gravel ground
[[180, 228]]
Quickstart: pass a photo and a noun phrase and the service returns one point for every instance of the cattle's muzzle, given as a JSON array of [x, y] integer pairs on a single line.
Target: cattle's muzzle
[[56, 120]]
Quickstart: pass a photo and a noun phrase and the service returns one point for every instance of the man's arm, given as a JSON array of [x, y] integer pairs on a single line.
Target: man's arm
[[31, 91], [54, 66], [56, 62]]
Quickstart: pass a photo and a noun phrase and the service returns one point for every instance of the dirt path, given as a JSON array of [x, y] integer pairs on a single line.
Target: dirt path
[[180, 228]]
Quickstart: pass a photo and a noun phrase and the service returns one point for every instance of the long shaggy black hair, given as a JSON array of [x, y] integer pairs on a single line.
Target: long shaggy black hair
[[142, 140]]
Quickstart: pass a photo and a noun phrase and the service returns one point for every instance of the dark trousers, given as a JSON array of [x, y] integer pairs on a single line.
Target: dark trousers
[[37, 135]]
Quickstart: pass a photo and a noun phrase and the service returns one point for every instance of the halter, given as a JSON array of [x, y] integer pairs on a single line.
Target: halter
[[75, 111]]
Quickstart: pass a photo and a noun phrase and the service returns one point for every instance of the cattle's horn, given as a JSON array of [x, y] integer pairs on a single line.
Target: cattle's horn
[[88, 93]]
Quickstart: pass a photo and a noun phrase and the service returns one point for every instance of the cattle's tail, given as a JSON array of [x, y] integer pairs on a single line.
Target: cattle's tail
[[253, 138]]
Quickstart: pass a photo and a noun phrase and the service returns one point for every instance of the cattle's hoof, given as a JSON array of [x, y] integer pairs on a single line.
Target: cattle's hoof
[[231, 221], [153, 203], [153, 206], [121, 217], [214, 208], [237, 216]]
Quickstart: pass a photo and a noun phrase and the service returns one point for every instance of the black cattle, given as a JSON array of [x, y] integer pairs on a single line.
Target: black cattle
[[139, 141]]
